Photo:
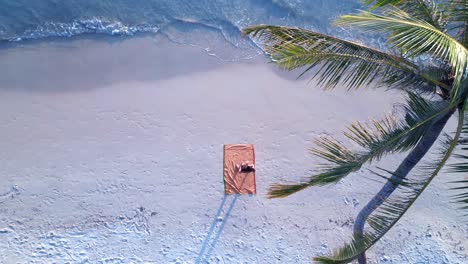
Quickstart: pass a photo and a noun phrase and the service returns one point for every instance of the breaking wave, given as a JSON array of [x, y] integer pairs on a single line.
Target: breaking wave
[[78, 27], [217, 22]]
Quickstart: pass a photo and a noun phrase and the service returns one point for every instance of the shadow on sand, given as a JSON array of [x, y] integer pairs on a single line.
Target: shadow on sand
[[203, 258]]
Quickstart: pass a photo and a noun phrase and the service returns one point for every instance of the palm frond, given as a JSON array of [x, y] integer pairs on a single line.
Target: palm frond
[[337, 60], [380, 3], [462, 168], [377, 139], [462, 151], [426, 10], [394, 207], [414, 37]]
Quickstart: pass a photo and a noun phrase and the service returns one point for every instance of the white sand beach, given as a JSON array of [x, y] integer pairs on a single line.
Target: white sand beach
[[112, 152]]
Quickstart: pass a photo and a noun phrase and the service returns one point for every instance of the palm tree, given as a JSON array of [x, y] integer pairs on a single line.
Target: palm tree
[[427, 59]]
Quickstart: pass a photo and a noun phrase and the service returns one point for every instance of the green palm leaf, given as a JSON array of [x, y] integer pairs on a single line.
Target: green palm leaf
[[377, 138], [338, 60], [393, 208], [426, 10], [431, 41], [415, 37], [380, 3], [462, 167]]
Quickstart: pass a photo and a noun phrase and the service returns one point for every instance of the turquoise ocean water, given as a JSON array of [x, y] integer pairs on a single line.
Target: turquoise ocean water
[[23, 20]]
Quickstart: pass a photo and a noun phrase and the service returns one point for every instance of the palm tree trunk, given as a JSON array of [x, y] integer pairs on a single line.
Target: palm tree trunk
[[402, 171]]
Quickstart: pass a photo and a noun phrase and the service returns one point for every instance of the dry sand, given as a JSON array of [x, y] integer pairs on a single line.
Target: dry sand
[[112, 152]]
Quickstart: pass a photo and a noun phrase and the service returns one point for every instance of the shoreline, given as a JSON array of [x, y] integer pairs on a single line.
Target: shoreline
[[160, 36]]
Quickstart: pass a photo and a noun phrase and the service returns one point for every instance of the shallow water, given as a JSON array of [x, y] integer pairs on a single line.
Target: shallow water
[[219, 20]]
